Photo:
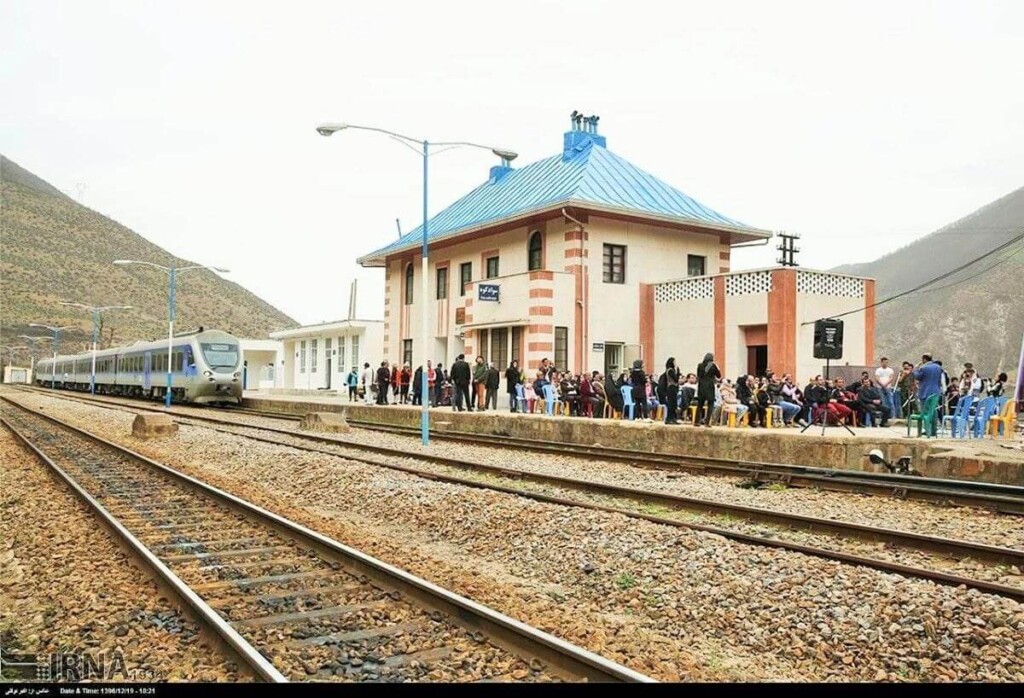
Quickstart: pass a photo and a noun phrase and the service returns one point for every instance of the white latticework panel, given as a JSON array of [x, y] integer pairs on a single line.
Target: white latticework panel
[[684, 290], [829, 285], [754, 282]]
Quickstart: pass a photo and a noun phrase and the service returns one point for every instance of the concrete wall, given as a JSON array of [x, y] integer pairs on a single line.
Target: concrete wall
[[745, 445], [812, 306]]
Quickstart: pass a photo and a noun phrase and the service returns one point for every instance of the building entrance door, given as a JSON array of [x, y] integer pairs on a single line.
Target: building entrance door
[[327, 379], [612, 359], [757, 360]]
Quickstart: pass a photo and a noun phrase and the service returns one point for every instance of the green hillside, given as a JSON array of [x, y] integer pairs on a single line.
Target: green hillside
[[975, 315], [53, 249]]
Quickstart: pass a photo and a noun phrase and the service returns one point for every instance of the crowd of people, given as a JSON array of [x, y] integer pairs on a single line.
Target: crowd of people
[[703, 396]]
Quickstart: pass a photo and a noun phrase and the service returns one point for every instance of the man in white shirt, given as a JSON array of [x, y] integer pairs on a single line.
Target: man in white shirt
[[367, 380], [885, 377]]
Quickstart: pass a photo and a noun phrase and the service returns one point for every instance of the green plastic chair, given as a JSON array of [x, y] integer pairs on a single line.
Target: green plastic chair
[[929, 414]]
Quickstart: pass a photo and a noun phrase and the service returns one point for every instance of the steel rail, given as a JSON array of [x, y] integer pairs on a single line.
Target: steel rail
[[527, 641], [200, 609], [874, 563], [915, 541], [1007, 499]]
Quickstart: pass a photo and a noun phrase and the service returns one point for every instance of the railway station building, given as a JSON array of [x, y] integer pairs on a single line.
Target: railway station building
[[586, 259], [319, 357]]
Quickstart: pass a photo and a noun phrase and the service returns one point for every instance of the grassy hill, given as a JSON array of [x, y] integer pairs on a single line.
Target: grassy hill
[[53, 249], [975, 315]]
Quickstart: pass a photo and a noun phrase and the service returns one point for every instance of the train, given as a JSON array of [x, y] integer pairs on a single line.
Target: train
[[206, 368]]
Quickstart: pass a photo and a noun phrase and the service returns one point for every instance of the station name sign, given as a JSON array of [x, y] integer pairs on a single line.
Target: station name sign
[[487, 292], [598, 346]]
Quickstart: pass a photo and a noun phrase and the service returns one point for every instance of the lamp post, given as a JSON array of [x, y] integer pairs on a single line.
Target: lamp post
[[32, 341], [172, 271], [56, 346], [10, 354], [96, 311], [424, 151]]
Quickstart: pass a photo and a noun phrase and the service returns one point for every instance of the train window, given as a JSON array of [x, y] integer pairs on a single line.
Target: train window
[[225, 356]]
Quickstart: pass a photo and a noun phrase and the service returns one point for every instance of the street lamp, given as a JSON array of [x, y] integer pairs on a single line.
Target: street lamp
[[32, 340], [172, 271], [424, 150], [10, 354], [56, 346], [96, 310]]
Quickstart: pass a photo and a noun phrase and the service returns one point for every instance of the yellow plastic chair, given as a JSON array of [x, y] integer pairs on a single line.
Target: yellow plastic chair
[[769, 416], [1004, 419], [610, 412], [660, 413], [693, 414]]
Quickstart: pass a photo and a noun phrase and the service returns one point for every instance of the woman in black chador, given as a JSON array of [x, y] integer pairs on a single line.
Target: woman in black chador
[[707, 374], [670, 389]]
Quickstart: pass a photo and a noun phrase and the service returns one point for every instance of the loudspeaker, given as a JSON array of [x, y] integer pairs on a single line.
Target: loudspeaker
[[828, 339]]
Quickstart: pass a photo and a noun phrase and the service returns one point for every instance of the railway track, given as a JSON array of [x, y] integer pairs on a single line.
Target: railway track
[[1004, 499], [956, 549], [289, 602]]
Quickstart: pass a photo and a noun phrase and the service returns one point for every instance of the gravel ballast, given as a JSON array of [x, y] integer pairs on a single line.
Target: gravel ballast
[[667, 602], [68, 587]]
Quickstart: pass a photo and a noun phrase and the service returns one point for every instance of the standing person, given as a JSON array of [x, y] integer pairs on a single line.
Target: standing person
[[512, 379], [395, 391], [461, 377], [929, 377], [383, 382], [352, 381], [707, 374], [403, 382], [669, 385], [492, 382], [367, 383], [638, 377], [479, 382], [431, 377], [905, 389], [437, 387], [885, 377], [417, 386]]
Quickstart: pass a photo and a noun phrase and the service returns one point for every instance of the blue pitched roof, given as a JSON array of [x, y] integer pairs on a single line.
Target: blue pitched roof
[[592, 176]]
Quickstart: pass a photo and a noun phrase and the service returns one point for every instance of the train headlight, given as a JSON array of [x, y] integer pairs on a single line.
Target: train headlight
[[237, 374], [207, 373]]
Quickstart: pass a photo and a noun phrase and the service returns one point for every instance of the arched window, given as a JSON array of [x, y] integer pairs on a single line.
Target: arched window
[[536, 251], [408, 283]]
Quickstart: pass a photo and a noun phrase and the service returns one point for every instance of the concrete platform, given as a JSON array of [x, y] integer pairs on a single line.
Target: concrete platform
[[985, 460]]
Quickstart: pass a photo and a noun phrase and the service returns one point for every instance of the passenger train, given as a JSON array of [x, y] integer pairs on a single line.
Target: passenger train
[[206, 368]]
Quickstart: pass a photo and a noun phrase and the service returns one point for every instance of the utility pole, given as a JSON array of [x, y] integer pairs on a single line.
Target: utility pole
[[788, 249]]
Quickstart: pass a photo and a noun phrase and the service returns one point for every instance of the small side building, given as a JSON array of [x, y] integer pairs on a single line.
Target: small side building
[[261, 363], [757, 320], [318, 357]]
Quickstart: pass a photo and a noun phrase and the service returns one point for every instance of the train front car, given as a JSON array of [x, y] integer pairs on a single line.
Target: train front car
[[218, 372]]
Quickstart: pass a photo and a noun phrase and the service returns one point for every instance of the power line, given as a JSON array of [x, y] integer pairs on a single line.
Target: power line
[[940, 277], [976, 275]]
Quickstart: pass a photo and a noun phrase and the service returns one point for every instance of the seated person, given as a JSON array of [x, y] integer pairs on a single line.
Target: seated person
[[871, 401]]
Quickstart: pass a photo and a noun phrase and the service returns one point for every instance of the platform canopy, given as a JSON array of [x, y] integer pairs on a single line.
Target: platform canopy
[[585, 176]]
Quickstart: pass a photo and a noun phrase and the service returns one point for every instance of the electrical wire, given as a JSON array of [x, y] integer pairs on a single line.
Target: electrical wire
[[940, 277]]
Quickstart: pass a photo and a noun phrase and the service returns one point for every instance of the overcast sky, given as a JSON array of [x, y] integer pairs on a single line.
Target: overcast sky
[[859, 125]]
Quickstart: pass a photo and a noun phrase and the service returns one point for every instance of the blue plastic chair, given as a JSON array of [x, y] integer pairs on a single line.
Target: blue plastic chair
[[550, 398], [520, 398], [958, 420], [985, 409], [627, 401]]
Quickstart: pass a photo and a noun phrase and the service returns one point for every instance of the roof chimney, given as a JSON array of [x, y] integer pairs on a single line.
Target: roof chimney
[[498, 172], [581, 135]]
